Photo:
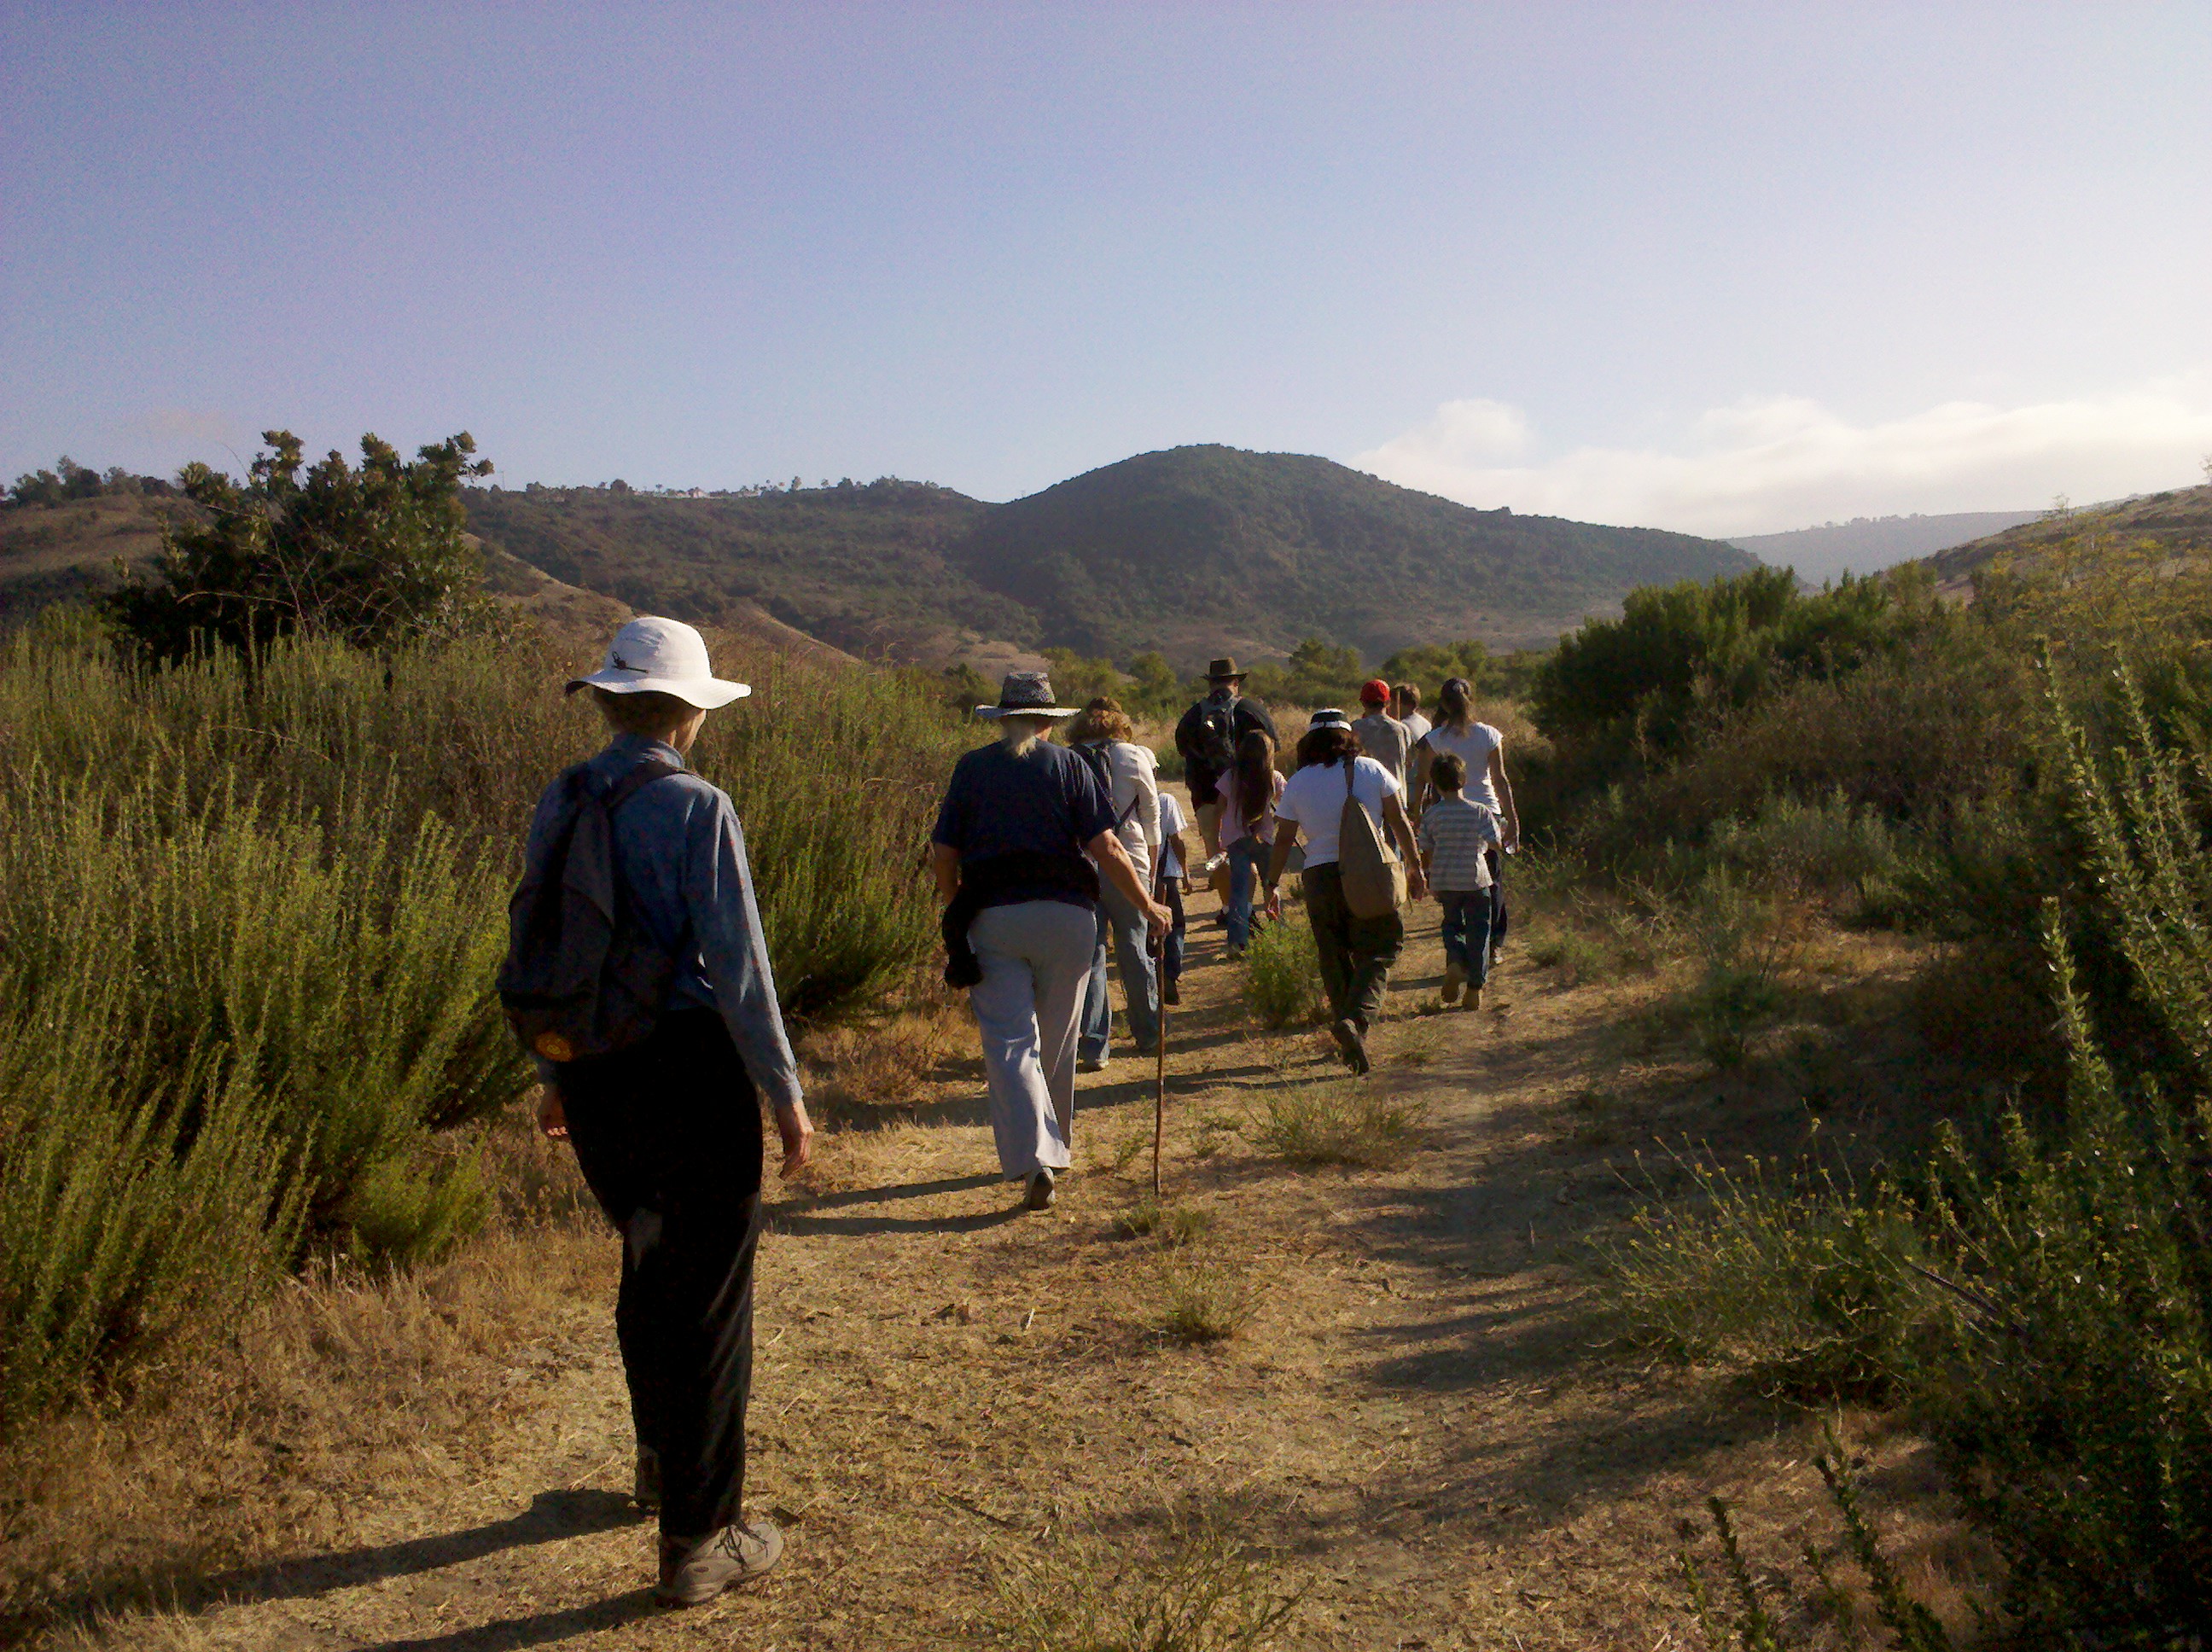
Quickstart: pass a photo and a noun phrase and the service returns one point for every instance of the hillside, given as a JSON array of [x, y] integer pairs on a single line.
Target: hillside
[[864, 569], [1192, 550], [52, 553], [1178, 549], [1868, 544], [2178, 521]]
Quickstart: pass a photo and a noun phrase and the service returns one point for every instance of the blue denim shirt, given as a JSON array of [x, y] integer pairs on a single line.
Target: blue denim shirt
[[681, 855]]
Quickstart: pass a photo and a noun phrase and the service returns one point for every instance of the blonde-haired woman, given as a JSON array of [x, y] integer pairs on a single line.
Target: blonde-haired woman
[[1101, 731]]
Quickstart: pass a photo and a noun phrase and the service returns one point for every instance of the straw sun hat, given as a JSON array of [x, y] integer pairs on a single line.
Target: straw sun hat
[[1025, 693], [662, 656]]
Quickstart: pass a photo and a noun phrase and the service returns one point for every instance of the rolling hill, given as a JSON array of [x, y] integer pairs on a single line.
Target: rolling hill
[[2178, 521], [1192, 550]]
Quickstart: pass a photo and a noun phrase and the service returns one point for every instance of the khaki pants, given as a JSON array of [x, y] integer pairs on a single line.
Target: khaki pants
[[1209, 827]]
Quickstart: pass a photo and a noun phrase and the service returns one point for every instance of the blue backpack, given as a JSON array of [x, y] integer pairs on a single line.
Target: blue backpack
[[581, 978]]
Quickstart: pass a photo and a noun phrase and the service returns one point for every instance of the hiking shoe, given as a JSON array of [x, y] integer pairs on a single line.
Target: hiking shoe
[[1455, 978], [1474, 999], [1090, 1064], [693, 1573], [644, 1485], [1040, 1189], [1233, 954], [1348, 1040]]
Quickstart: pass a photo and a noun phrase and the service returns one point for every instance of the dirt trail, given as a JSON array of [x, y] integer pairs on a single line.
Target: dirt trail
[[1414, 1414]]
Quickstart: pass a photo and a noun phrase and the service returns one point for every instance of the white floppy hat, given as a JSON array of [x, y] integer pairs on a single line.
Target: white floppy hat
[[662, 656]]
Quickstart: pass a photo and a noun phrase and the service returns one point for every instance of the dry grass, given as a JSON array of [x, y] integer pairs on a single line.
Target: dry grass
[[1200, 1588], [1202, 1298], [864, 1075], [341, 1375], [1341, 1123], [1171, 1224]]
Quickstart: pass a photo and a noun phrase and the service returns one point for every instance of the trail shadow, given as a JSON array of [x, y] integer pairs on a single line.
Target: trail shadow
[[863, 1227], [552, 1517], [884, 1195], [539, 1629]]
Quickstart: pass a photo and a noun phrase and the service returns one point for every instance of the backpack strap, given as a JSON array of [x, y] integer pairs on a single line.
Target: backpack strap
[[652, 769]]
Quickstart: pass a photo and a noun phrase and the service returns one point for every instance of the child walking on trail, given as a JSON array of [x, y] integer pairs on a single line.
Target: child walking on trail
[[666, 1127], [1456, 836]]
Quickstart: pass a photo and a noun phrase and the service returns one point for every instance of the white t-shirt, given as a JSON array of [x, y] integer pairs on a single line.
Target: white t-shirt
[[1416, 725], [1313, 798], [1473, 747], [1172, 824]]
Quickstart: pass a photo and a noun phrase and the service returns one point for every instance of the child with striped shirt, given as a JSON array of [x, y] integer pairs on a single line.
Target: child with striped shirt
[[1457, 836]]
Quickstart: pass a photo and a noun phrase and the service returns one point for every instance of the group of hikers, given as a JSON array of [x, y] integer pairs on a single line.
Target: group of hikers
[[638, 981]]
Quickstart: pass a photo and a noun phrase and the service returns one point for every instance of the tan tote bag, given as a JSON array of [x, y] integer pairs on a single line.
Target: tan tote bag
[[1373, 872]]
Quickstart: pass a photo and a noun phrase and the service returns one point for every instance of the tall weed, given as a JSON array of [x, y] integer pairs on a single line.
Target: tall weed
[[1282, 981], [252, 912]]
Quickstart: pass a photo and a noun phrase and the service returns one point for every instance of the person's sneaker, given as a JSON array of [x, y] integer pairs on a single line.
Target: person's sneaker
[[644, 1485], [1346, 1034], [1040, 1189], [1474, 999], [1455, 978], [1090, 1064], [1233, 954], [695, 1572]]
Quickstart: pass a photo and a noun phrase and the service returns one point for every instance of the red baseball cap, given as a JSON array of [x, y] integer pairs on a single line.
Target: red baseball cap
[[1375, 693]]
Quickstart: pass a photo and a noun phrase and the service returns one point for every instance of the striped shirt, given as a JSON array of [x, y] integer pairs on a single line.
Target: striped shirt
[[1455, 833]]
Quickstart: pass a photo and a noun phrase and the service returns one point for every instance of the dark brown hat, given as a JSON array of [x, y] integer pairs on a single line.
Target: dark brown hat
[[1223, 671]]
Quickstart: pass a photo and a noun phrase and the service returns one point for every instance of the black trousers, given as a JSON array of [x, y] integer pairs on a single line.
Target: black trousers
[[668, 1134]]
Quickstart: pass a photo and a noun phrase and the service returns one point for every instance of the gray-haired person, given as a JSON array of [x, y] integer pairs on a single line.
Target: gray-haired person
[[1026, 831], [667, 1130]]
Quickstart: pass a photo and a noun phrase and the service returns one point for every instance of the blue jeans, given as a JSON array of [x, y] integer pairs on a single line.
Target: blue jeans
[[1121, 922], [1466, 930], [1248, 859]]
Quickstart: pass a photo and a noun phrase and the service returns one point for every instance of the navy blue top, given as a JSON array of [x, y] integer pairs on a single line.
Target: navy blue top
[[1048, 800]]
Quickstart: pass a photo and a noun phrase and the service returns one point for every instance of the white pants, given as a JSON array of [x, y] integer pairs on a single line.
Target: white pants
[[1036, 956]]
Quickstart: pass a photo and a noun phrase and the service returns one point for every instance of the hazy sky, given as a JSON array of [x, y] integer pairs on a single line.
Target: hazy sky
[[1724, 269]]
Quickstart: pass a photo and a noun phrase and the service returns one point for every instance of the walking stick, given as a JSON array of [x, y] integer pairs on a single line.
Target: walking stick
[[1158, 949]]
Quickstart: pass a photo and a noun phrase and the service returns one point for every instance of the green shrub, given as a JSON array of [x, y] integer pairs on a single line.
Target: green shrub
[[248, 937], [1807, 1288], [2049, 1316], [1282, 979], [1741, 952]]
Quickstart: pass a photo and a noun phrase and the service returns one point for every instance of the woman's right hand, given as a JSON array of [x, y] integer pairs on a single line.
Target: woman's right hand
[[797, 1130], [552, 1117]]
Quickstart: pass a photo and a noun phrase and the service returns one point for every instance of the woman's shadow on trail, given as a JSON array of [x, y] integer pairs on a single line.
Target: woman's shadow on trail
[[552, 1517], [802, 1215]]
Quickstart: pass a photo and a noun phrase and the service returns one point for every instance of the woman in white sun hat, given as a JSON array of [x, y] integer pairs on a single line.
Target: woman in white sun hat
[[667, 1128]]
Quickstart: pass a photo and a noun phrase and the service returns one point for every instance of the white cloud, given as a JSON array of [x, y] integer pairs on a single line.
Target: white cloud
[[1764, 465]]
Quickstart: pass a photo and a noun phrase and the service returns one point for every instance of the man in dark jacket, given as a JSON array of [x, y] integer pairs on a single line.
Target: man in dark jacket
[[1207, 736]]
